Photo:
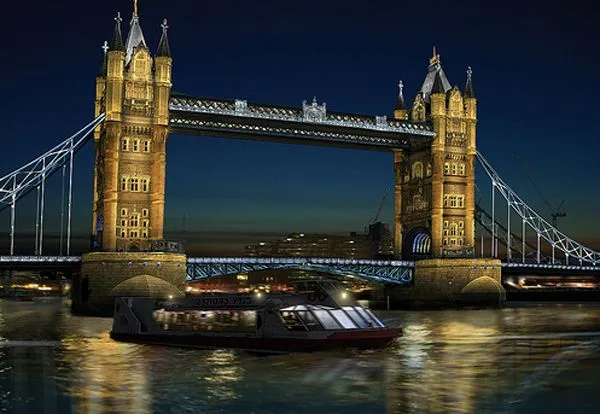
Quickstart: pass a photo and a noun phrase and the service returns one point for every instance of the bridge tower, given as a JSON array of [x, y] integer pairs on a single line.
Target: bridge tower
[[129, 174], [435, 183], [133, 90]]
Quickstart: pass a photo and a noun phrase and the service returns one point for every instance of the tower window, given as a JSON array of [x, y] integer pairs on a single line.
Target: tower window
[[124, 144], [428, 169], [123, 233], [446, 168], [145, 223], [123, 222], [134, 184], [144, 212], [133, 233], [461, 169], [145, 234], [123, 212], [145, 184], [417, 170], [147, 145], [123, 183], [454, 169], [135, 220], [136, 145]]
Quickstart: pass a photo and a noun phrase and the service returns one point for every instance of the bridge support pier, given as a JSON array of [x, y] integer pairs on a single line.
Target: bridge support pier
[[443, 283], [106, 275]]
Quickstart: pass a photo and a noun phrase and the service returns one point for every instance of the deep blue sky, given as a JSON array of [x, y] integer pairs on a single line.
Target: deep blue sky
[[534, 71]]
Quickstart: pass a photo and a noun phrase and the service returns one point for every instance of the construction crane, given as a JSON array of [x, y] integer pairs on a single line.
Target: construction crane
[[554, 213], [376, 216]]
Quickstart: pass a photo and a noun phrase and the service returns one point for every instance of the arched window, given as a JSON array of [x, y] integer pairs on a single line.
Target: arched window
[[428, 169], [461, 169], [446, 168], [417, 170], [124, 183]]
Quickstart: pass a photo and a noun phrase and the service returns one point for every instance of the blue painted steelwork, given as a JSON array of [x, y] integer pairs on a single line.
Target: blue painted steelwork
[[391, 271], [40, 259], [550, 266]]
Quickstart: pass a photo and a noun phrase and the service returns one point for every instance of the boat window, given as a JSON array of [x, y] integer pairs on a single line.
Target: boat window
[[375, 319], [359, 320], [292, 321], [372, 321], [310, 321], [343, 319], [325, 318], [205, 320]]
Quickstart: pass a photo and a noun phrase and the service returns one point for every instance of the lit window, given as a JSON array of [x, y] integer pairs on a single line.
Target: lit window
[[446, 168], [125, 144], [417, 170]]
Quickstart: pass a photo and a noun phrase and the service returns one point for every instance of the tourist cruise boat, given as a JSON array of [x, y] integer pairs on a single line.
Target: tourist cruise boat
[[320, 318]]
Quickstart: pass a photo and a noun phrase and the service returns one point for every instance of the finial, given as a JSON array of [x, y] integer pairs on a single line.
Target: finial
[[105, 47], [118, 18], [434, 52], [314, 100], [400, 86], [435, 59], [469, 72], [164, 25], [135, 9]]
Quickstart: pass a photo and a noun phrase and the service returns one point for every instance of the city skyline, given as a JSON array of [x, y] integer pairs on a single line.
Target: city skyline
[[275, 55]]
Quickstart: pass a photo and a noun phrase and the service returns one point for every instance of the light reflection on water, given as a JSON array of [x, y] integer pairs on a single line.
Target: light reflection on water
[[515, 360]]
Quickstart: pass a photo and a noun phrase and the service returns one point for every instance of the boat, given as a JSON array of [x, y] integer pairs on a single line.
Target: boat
[[301, 321]]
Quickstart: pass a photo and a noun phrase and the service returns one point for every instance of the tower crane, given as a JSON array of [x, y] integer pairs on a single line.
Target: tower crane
[[376, 216], [554, 213]]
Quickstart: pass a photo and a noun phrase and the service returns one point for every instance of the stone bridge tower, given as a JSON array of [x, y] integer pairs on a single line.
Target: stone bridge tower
[[129, 173], [435, 182]]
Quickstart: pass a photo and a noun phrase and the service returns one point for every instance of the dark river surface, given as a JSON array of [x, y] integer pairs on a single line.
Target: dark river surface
[[533, 358]]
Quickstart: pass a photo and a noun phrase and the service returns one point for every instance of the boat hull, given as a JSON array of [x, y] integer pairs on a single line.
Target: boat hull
[[371, 339]]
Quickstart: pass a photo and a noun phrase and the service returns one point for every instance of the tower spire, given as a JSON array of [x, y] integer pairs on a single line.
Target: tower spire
[[163, 45], [135, 37], [400, 104], [117, 42], [135, 8], [104, 59], [469, 92], [435, 58]]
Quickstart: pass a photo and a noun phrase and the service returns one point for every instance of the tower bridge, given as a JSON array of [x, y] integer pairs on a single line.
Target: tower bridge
[[433, 142]]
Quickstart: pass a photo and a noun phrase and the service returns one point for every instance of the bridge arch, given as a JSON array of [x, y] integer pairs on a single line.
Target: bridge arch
[[417, 244]]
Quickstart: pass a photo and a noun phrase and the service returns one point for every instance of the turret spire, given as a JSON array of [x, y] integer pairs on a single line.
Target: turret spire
[[135, 37], [163, 45], [438, 84], [435, 58], [400, 104], [469, 92], [117, 42], [104, 58]]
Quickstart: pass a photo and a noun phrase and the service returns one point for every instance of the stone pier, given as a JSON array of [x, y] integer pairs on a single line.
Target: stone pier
[[443, 283], [106, 275]]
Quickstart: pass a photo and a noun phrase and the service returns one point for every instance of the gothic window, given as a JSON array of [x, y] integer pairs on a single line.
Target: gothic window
[[133, 233], [147, 146], [123, 233], [446, 168], [461, 169], [445, 241], [452, 241], [123, 183], [123, 212], [145, 234], [428, 169], [461, 224], [145, 185], [124, 144], [123, 222], [134, 184], [453, 229], [460, 201], [134, 221], [144, 212], [417, 170], [135, 145], [145, 223], [454, 169], [454, 200]]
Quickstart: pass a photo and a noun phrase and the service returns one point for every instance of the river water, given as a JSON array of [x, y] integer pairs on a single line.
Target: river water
[[535, 358]]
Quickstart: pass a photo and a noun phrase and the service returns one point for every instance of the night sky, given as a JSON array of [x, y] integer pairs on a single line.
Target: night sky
[[534, 72]]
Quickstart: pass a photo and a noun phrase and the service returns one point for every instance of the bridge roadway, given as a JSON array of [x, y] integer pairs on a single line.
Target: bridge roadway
[[310, 124], [390, 271]]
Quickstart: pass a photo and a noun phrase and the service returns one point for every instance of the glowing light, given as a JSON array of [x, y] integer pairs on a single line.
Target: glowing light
[[170, 296]]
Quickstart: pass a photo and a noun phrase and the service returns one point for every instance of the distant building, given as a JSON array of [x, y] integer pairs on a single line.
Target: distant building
[[375, 244]]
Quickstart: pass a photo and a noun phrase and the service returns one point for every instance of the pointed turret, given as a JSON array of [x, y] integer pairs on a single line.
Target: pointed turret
[[400, 111], [117, 40], [469, 92], [163, 45], [438, 84], [435, 69], [135, 37], [104, 59]]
